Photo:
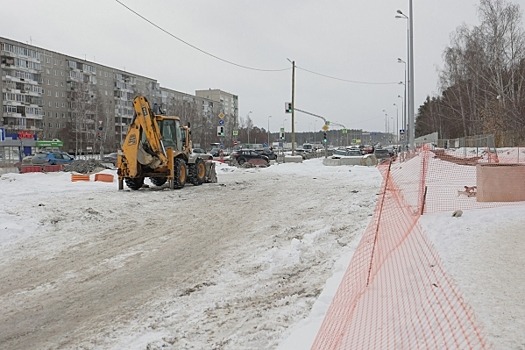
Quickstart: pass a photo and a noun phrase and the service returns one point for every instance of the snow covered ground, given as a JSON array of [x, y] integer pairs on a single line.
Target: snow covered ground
[[250, 262]]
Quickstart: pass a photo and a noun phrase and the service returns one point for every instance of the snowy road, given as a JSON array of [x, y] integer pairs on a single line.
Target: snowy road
[[230, 265]]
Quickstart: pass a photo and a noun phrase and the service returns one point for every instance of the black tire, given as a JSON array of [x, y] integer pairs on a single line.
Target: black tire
[[180, 173], [197, 172], [158, 181], [241, 161], [134, 183]]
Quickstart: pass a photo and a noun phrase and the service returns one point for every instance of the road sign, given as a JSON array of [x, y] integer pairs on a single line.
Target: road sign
[[221, 121], [221, 115], [344, 131], [2, 134], [235, 132], [402, 131], [51, 143]]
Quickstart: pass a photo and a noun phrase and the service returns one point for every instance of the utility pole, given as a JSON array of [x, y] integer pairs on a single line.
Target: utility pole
[[293, 108]]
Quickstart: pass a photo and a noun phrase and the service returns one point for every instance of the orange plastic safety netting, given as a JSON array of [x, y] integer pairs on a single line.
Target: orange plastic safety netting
[[396, 293]]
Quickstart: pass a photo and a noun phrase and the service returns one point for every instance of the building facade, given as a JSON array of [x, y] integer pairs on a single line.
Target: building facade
[[49, 95], [229, 111]]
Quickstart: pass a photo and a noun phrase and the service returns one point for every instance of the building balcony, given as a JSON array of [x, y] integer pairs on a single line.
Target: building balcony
[[13, 115]]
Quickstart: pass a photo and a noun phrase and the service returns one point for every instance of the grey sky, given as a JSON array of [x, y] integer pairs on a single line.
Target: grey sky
[[354, 40]]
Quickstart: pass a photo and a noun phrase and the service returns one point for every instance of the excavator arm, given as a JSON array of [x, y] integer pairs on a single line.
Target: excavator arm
[[143, 143]]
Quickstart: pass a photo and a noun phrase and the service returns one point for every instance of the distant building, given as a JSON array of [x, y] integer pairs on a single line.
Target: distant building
[[47, 95]]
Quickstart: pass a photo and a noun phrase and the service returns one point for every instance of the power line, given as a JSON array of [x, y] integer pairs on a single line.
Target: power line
[[243, 66], [197, 48], [348, 81]]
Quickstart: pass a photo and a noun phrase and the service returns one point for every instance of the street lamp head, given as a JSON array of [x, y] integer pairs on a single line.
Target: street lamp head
[[401, 14]]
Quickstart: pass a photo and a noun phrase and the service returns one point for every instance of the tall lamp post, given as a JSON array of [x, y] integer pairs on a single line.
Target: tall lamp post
[[410, 75], [397, 123], [248, 125], [403, 108], [269, 130], [404, 111]]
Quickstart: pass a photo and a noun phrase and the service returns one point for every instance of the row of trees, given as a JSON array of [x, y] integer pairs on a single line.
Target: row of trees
[[483, 80]]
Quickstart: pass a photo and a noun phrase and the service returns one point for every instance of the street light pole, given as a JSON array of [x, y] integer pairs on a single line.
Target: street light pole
[[411, 116], [410, 126], [397, 123], [269, 130], [404, 111], [248, 126]]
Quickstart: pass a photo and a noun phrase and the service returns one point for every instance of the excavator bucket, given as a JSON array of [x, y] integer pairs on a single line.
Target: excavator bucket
[[211, 174]]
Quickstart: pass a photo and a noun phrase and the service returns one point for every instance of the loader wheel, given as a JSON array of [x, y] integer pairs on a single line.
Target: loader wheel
[[197, 172], [180, 173], [158, 181], [134, 183]]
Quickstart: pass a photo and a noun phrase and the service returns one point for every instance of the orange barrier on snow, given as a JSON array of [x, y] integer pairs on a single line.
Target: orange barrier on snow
[[104, 177], [79, 177], [396, 293]]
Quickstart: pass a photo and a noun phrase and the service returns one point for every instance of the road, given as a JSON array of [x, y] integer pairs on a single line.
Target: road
[[105, 267]]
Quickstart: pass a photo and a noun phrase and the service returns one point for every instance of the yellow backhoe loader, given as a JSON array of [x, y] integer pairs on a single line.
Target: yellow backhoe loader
[[159, 147]]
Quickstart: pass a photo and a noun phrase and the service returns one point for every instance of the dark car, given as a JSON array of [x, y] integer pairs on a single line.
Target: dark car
[[52, 158], [267, 152], [382, 154], [110, 158], [251, 156]]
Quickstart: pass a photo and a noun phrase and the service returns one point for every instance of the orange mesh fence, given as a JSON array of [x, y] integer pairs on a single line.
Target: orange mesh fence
[[396, 293], [457, 179]]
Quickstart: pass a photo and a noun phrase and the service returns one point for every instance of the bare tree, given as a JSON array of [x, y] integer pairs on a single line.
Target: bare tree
[[483, 78]]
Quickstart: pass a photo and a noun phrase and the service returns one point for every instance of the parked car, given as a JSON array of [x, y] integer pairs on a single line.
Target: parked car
[[110, 158], [199, 152], [249, 155], [52, 158], [346, 153], [216, 152], [382, 154], [267, 152]]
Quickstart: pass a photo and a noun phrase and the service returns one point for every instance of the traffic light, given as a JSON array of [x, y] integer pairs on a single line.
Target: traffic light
[[325, 139], [288, 107]]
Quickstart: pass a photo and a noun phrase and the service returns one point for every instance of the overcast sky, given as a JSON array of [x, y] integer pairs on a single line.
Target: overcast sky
[[356, 40]]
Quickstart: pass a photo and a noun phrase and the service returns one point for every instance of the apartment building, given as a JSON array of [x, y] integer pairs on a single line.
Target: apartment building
[[50, 95]]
